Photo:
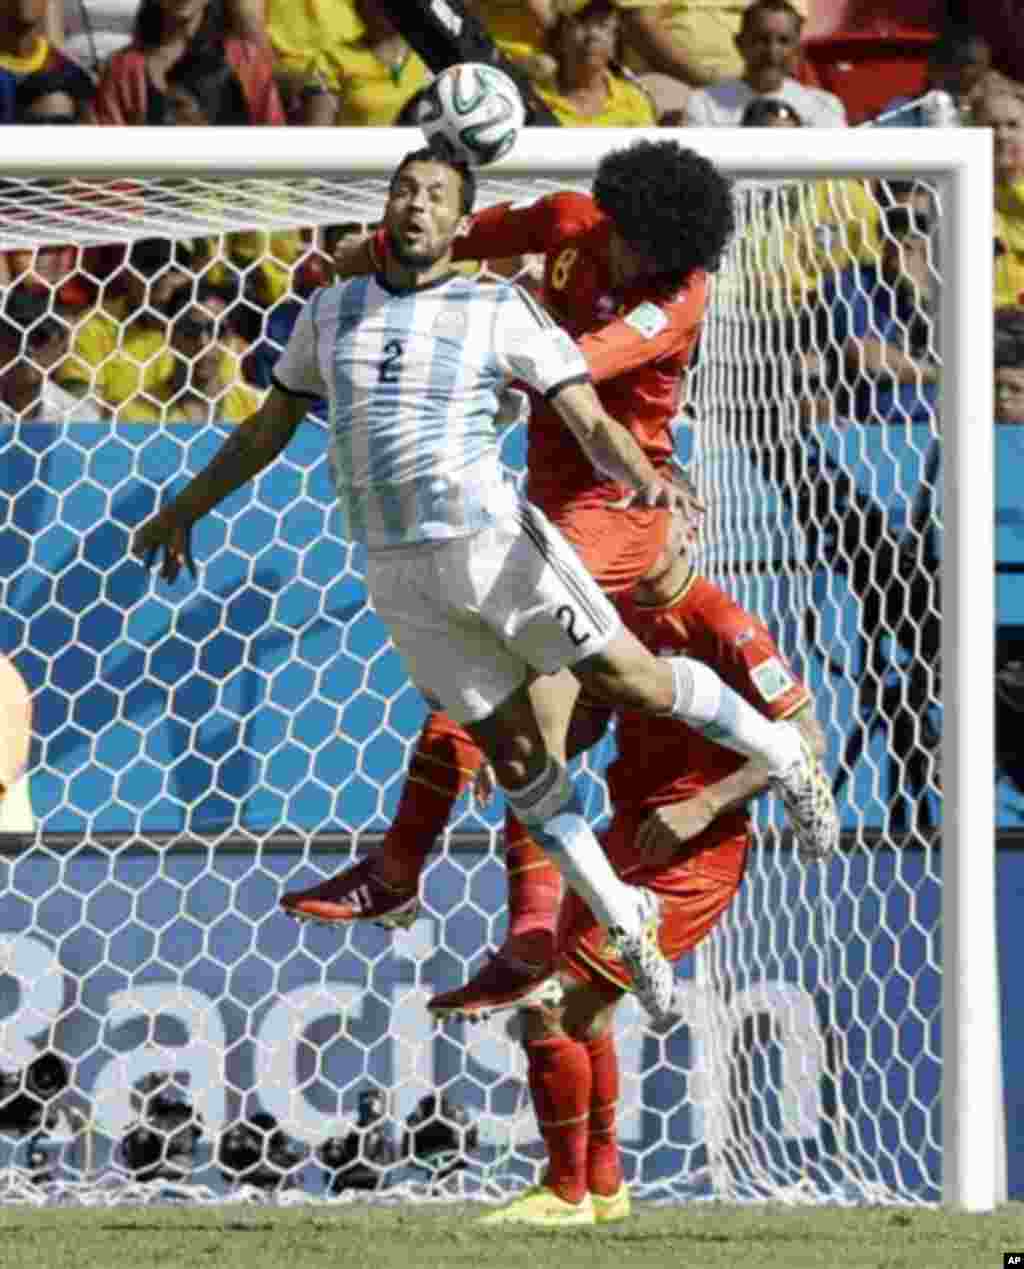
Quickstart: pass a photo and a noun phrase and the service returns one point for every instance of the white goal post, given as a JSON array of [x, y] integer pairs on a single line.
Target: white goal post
[[957, 162]]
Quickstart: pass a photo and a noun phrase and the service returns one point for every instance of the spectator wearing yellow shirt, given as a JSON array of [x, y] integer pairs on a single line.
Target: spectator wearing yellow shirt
[[307, 37], [378, 73], [521, 29], [805, 233], [121, 346], [349, 49], [693, 40], [588, 91], [1003, 112], [262, 262], [204, 385]]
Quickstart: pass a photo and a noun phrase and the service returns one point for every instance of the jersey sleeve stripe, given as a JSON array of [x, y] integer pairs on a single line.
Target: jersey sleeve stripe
[[566, 383], [293, 392]]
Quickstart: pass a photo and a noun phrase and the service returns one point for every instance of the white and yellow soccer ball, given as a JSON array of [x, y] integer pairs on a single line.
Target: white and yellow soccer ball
[[473, 111]]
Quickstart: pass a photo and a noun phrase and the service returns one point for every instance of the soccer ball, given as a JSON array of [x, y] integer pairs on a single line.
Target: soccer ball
[[473, 111]]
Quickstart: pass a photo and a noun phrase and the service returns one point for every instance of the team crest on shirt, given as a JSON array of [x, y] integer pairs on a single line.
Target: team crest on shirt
[[648, 319], [772, 680]]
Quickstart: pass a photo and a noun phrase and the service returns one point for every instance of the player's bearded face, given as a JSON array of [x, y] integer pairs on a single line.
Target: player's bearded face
[[424, 213]]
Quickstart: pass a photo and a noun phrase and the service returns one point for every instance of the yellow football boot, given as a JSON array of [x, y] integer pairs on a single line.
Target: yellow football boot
[[612, 1207], [541, 1206]]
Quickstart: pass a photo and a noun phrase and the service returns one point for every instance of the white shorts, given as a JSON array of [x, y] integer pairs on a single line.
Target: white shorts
[[473, 617]]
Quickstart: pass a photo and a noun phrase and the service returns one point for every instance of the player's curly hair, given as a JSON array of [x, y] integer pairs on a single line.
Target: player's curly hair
[[669, 202]]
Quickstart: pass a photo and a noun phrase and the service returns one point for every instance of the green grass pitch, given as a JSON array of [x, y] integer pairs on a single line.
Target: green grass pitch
[[704, 1236]]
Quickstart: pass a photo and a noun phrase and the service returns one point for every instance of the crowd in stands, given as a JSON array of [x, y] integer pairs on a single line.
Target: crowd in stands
[[597, 62], [159, 331]]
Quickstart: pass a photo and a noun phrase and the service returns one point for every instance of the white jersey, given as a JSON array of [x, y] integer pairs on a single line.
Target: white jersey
[[412, 379]]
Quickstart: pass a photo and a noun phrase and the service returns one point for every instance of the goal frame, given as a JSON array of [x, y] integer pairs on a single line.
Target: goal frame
[[961, 160]]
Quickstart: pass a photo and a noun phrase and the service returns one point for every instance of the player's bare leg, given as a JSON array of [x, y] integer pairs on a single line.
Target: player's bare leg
[[624, 674], [518, 974], [384, 886], [538, 790]]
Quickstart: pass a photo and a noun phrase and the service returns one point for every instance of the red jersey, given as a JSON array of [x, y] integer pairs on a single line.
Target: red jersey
[[662, 760], [637, 341]]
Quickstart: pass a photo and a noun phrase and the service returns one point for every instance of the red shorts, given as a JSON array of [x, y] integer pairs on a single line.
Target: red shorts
[[698, 887], [617, 545]]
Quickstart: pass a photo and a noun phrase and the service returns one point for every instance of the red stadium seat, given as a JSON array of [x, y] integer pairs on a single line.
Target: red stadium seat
[[867, 68]]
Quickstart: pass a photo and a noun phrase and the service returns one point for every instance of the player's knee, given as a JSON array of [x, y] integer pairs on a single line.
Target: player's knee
[[517, 765], [512, 742]]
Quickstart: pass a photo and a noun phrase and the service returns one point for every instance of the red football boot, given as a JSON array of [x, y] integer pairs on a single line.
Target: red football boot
[[501, 984], [357, 894]]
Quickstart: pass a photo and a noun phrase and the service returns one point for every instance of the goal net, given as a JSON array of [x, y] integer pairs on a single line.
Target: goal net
[[164, 1029]]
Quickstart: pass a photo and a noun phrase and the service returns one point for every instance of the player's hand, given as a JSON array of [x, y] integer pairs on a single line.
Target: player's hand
[[676, 493], [485, 785], [667, 829], [171, 534], [692, 507]]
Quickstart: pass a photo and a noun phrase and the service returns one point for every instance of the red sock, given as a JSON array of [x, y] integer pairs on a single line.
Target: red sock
[[534, 893], [604, 1164], [559, 1074], [444, 763]]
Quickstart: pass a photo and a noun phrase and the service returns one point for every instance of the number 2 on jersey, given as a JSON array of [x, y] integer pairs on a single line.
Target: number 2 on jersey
[[391, 367], [568, 618]]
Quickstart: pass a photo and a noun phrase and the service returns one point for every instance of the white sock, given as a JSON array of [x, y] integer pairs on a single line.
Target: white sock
[[709, 706], [550, 808]]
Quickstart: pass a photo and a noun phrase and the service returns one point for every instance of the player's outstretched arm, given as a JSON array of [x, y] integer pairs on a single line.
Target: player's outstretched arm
[[495, 233], [252, 446], [671, 827], [612, 448]]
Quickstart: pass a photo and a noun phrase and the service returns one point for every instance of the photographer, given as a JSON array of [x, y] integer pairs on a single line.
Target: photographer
[[161, 1144], [360, 1160]]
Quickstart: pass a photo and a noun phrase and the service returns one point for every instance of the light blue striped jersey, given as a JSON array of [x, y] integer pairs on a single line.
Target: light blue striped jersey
[[412, 379]]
